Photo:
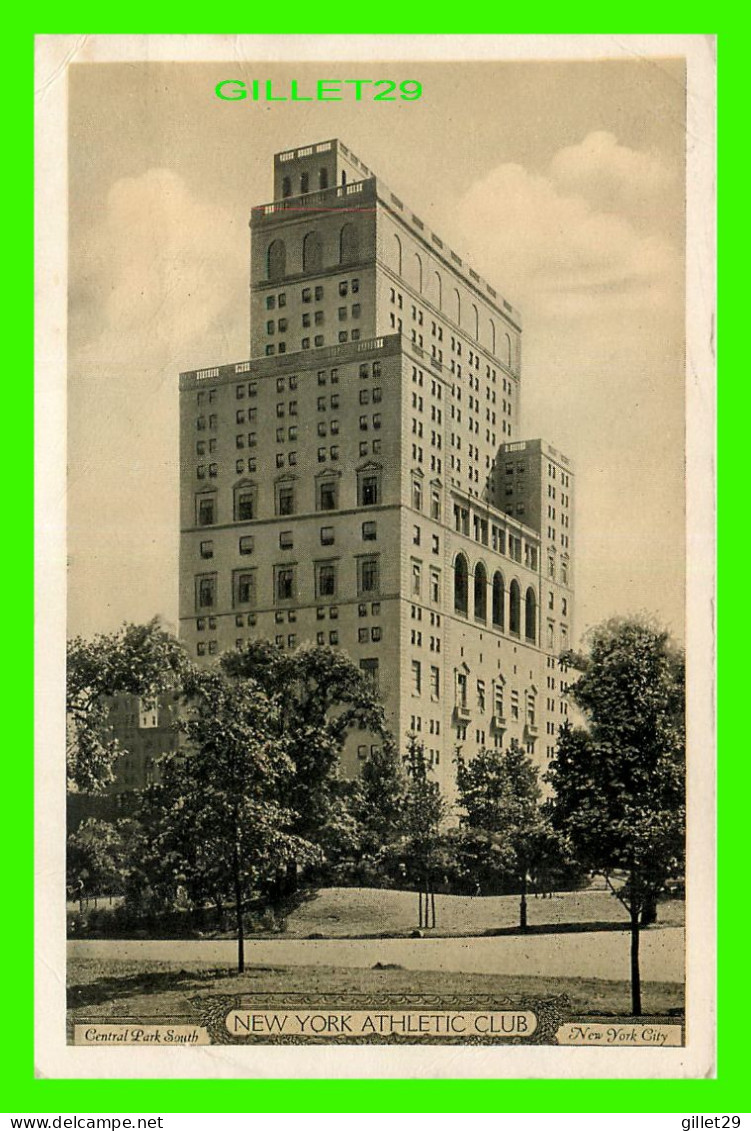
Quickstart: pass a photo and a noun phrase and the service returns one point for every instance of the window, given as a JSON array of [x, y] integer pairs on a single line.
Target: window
[[247, 544], [514, 594], [285, 499], [276, 259], [497, 601], [417, 494], [312, 251], [369, 532], [307, 294], [318, 294], [205, 591], [205, 510], [435, 586], [325, 580], [327, 494], [461, 585], [416, 575], [286, 540], [435, 505], [244, 587], [369, 669], [368, 575], [416, 677], [368, 488], [327, 535], [481, 695], [481, 592], [435, 683], [284, 583], [245, 504], [416, 535], [207, 549]]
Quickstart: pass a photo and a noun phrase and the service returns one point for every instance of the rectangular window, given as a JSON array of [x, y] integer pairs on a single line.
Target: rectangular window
[[369, 669], [369, 532], [206, 510], [416, 677], [285, 500], [325, 580], [286, 540], [307, 294], [246, 544], [416, 579], [319, 294], [205, 591], [368, 575], [244, 588], [435, 683], [327, 535], [327, 495], [435, 587], [369, 489], [207, 549], [245, 505], [284, 583]]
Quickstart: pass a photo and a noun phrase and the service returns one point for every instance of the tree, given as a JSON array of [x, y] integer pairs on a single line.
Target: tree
[[220, 825], [318, 696], [424, 810], [143, 660], [619, 782], [97, 856], [500, 795]]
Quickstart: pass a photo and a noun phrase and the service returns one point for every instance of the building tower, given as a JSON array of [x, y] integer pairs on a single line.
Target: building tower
[[358, 482]]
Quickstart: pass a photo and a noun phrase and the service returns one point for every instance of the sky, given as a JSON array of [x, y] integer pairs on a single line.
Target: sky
[[562, 183]]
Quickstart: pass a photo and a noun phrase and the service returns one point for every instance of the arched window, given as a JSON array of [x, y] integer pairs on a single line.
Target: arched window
[[498, 594], [323, 178], [461, 585], [418, 272], [276, 260], [481, 592], [438, 289], [349, 244], [492, 337], [304, 179], [397, 255], [514, 608], [475, 323], [507, 357], [312, 252], [286, 186], [530, 615], [457, 308]]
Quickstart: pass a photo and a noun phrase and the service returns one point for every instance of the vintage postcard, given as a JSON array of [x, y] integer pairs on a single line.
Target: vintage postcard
[[375, 386]]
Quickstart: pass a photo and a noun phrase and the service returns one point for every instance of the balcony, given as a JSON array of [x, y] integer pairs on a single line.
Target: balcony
[[355, 194], [462, 712], [498, 722]]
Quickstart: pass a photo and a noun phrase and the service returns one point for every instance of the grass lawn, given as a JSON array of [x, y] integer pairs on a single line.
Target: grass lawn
[[363, 912], [112, 989]]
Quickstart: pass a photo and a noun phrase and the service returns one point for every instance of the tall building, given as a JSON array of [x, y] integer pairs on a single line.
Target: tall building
[[359, 481]]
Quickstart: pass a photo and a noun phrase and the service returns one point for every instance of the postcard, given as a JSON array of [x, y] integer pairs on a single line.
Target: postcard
[[375, 448]]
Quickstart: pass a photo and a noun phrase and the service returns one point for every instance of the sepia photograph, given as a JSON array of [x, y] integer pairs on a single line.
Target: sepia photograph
[[376, 393]]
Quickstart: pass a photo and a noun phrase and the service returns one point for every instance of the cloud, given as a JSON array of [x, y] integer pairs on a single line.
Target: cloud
[[568, 242], [165, 276], [613, 177]]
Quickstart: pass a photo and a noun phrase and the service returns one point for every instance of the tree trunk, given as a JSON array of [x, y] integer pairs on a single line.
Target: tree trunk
[[432, 903], [523, 904], [419, 907], [649, 911], [635, 974], [239, 910]]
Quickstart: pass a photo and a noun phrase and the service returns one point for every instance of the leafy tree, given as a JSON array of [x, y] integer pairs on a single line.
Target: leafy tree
[[318, 696], [97, 856], [619, 781], [143, 660], [500, 795], [221, 826], [379, 799], [424, 810]]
